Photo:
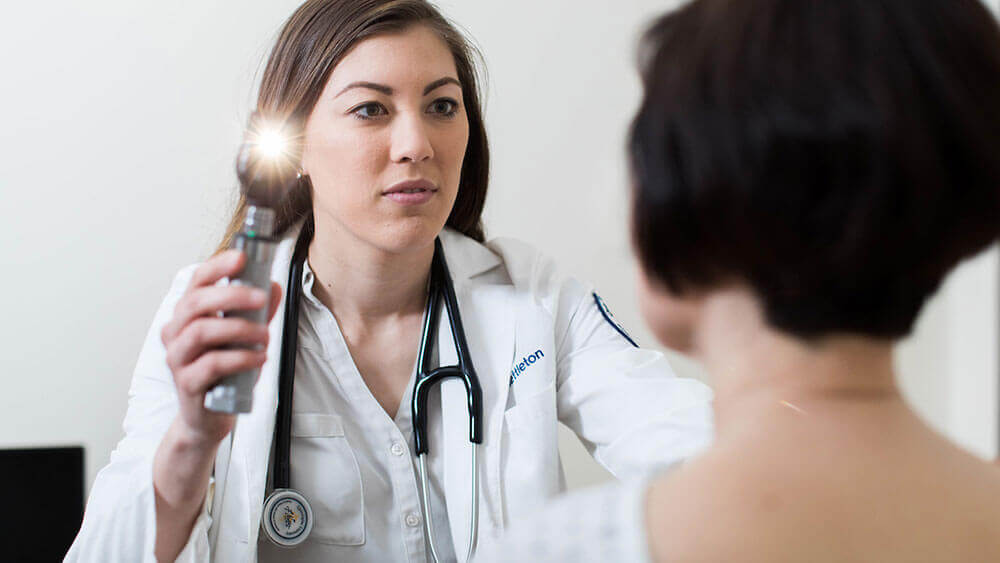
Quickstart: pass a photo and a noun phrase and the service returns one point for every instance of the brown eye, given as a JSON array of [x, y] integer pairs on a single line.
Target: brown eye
[[444, 107], [369, 110]]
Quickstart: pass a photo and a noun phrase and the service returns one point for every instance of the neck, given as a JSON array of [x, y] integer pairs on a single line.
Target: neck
[[361, 282], [762, 377]]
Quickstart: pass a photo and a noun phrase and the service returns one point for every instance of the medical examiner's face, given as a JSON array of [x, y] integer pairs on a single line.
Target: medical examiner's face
[[385, 142]]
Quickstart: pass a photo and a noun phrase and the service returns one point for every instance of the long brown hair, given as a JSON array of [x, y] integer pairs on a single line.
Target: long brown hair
[[313, 40]]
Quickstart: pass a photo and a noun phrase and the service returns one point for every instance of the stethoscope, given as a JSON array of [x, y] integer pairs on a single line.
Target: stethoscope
[[287, 518]]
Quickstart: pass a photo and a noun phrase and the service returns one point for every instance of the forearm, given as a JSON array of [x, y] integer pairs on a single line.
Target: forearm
[[181, 471], [668, 418]]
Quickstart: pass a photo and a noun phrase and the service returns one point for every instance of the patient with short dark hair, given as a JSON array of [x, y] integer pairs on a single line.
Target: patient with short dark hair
[[805, 174]]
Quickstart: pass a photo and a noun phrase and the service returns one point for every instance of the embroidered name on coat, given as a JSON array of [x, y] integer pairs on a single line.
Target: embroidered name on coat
[[524, 364]]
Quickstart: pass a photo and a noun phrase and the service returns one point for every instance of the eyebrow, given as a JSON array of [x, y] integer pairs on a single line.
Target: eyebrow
[[439, 83], [383, 89]]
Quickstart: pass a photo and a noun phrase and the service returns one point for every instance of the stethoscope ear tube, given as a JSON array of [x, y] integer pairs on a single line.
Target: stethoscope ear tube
[[441, 287], [421, 392], [473, 390]]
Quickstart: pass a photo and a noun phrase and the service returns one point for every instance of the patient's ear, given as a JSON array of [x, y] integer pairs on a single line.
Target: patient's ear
[[672, 318]]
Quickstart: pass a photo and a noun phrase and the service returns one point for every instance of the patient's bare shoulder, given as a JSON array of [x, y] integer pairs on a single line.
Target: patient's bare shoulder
[[732, 506], [711, 510]]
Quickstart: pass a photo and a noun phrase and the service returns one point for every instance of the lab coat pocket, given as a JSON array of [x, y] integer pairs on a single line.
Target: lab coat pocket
[[530, 460], [325, 470]]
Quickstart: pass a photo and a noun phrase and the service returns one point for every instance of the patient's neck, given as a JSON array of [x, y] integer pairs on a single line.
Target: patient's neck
[[769, 382]]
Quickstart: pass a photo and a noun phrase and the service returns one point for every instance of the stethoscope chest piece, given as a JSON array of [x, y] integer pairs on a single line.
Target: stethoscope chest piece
[[287, 518]]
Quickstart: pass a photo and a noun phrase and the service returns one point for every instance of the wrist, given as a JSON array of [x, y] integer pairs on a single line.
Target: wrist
[[191, 441], [183, 465]]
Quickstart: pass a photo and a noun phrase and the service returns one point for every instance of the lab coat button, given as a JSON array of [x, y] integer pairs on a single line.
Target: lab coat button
[[397, 449], [412, 520]]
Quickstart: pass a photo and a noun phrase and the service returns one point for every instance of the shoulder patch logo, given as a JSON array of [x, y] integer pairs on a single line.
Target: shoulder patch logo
[[606, 312]]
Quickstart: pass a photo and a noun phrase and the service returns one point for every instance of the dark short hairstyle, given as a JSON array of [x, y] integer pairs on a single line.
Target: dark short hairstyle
[[838, 157]]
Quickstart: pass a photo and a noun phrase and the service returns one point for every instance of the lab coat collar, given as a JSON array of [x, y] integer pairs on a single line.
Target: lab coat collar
[[466, 258]]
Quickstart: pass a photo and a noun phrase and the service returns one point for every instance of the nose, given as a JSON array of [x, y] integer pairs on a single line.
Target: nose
[[410, 141]]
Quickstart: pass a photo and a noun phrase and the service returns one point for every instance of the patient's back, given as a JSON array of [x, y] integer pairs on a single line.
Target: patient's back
[[897, 492]]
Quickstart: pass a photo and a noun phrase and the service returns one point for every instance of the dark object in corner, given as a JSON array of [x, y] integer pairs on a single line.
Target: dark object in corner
[[43, 504]]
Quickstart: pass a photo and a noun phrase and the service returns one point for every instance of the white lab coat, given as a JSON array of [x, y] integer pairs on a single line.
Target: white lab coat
[[623, 402]]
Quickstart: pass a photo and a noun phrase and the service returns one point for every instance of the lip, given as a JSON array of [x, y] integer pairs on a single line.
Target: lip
[[411, 192]]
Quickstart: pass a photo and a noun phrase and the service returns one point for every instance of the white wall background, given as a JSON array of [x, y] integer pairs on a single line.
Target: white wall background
[[120, 121]]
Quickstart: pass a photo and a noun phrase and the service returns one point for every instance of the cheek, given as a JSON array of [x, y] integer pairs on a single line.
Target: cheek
[[453, 145], [671, 319], [342, 166]]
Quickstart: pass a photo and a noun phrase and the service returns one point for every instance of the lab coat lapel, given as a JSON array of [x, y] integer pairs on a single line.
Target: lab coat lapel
[[489, 329], [246, 472]]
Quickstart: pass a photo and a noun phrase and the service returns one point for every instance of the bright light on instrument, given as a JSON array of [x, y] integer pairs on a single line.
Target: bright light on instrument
[[271, 143]]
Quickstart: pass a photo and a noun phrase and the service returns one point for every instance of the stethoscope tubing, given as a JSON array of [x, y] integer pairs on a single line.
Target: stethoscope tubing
[[441, 285], [474, 509], [286, 367], [440, 288]]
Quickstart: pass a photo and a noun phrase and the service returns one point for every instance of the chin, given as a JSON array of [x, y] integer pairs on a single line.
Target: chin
[[401, 235]]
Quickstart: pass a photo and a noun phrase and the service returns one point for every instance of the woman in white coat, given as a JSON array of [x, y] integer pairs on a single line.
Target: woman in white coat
[[383, 98]]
